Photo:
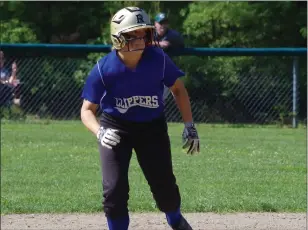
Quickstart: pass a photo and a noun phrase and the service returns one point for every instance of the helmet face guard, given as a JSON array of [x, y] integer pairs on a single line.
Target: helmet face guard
[[125, 40]]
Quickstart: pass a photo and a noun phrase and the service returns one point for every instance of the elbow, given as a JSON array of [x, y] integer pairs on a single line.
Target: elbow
[[83, 114], [181, 94], [86, 114], [179, 89], [87, 110], [176, 93]]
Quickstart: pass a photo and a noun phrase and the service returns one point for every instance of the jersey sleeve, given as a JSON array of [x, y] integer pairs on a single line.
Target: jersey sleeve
[[172, 72], [94, 87]]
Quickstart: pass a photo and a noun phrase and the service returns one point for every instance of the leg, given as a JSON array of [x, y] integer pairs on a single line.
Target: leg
[[156, 164], [154, 156], [115, 164]]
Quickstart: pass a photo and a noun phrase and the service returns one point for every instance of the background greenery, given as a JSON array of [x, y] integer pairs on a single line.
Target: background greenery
[[203, 24]]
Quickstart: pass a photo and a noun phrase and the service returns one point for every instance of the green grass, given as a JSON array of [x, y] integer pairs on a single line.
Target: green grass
[[54, 167]]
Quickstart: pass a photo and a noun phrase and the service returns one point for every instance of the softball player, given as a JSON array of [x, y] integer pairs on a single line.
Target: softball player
[[128, 86]]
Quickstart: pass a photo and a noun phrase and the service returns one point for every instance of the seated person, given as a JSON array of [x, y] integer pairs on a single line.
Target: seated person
[[10, 83], [4, 72]]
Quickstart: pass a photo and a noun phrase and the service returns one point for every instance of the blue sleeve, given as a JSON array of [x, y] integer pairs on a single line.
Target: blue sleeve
[[94, 88], [172, 72], [175, 39]]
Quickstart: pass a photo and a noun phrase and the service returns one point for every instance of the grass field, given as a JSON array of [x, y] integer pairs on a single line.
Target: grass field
[[54, 167]]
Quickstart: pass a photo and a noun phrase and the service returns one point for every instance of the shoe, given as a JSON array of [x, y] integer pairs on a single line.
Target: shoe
[[183, 225]]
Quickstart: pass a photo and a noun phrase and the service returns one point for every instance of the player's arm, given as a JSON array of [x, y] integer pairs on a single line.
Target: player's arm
[[92, 94], [172, 80], [176, 86], [182, 100], [88, 116], [190, 135]]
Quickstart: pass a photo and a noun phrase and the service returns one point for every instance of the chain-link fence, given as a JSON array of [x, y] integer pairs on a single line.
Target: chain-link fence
[[245, 90], [250, 89]]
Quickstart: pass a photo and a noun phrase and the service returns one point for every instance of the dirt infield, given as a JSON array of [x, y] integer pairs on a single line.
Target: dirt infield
[[156, 221]]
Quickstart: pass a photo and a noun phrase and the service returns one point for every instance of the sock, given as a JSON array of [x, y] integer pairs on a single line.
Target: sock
[[173, 218], [119, 223]]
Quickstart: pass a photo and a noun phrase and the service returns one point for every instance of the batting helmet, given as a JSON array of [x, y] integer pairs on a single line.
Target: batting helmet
[[129, 19]]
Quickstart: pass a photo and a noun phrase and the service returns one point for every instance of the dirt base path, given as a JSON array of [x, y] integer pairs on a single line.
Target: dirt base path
[[156, 221]]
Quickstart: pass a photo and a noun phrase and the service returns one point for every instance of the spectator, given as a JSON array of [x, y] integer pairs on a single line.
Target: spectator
[[15, 83], [4, 72], [167, 38], [10, 85]]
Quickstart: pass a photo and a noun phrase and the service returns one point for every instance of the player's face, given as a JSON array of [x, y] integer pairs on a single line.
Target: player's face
[[135, 39]]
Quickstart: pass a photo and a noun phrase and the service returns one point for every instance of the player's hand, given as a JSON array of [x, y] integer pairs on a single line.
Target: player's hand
[[108, 137], [191, 139]]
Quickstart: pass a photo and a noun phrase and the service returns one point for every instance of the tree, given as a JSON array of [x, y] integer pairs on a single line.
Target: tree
[[14, 31]]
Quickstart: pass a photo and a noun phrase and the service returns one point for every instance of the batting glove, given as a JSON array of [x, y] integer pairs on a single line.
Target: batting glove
[[108, 137], [190, 138]]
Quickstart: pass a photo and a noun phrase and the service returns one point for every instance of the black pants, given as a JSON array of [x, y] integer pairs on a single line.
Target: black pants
[[152, 146]]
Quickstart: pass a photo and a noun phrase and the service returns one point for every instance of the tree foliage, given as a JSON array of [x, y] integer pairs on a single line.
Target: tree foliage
[[14, 31]]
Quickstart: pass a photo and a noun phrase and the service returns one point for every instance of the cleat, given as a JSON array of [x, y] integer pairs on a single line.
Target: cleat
[[183, 225]]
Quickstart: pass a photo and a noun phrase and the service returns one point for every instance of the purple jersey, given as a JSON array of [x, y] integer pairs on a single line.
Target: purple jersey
[[132, 95]]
